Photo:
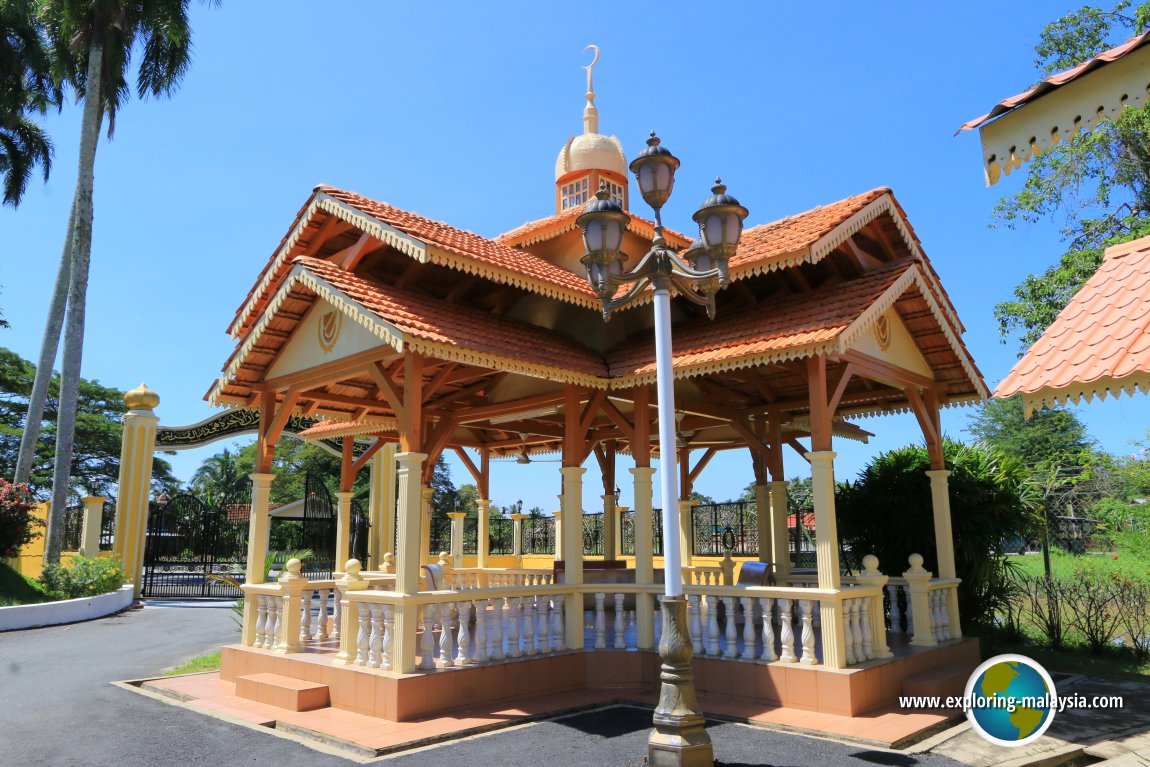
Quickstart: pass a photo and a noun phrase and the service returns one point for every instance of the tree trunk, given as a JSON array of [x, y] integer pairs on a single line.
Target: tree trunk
[[77, 290], [49, 346]]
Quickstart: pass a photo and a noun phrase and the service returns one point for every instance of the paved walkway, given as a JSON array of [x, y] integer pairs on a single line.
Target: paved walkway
[[59, 709]]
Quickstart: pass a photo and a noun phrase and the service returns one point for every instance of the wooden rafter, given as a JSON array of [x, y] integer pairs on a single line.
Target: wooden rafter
[[349, 258]]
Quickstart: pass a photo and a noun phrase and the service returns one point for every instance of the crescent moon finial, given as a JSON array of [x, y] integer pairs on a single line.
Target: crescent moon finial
[[589, 67]]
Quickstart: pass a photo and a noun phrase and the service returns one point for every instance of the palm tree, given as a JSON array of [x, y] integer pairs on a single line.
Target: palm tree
[[25, 88], [93, 42], [220, 477]]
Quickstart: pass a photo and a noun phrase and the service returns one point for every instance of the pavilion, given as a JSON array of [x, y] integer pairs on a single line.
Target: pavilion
[[409, 337]]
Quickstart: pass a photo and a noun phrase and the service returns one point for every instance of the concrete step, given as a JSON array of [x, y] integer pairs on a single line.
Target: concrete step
[[941, 681], [283, 692]]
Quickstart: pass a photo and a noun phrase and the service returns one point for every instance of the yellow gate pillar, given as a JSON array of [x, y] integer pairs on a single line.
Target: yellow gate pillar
[[483, 532], [135, 485], [572, 522], [381, 505], [342, 528], [408, 522], [644, 555], [93, 523], [780, 533]]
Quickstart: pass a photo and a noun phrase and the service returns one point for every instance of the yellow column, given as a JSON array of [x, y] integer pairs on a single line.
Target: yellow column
[[135, 483], [517, 531], [944, 540], [826, 526], [764, 516], [644, 555], [686, 539], [425, 527], [483, 542], [558, 532], [93, 521], [780, 534], [342, 527], [610, 519], [410, 505], [457, 518], [381, 504], [572, 521], [259, 527]]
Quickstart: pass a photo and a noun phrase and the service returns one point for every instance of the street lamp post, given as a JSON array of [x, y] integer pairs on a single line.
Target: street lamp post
[[698, 274]]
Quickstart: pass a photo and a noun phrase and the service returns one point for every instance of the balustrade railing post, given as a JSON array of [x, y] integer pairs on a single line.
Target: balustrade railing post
[[748, 628], [347, 616], [695, 626], [786, 633], [292, 584], [808, 634], [918, 599], [874, 625], [768, 629], [375, 635], [600, 622], [620, 625], [712, 625], [732, 636]]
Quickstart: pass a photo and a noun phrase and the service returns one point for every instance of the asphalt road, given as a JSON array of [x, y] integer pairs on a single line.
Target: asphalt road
[[57, 708]]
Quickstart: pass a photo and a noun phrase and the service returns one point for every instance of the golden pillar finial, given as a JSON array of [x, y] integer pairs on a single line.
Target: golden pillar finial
[[590, 113]]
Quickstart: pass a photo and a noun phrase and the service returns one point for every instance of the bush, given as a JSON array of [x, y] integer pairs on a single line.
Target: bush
[[84, 577], [17, 523], [887, 511], [1045, 600]]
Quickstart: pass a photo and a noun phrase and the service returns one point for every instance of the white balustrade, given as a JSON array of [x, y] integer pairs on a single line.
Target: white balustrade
[[732, 636], [446, 651], [600, 622], [766, 605], [808, 635], [712, 625], [695, 625], [786, 633], [375, 636], [620, 625], [748, 628], [513, 615]]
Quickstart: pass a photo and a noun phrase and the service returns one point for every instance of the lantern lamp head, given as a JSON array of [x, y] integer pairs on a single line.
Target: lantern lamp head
[[654, 170], [603, 223], [720, 219]]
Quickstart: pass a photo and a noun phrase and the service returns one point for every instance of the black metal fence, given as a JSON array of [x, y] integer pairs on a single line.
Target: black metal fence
[[593, 534], [538, 535], [70, 539], [501, 536], [627, 523], [736, 523], [108, 525], [440, 538]]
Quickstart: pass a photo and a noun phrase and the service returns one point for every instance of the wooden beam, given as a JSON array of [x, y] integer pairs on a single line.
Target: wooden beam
[[484, 385], [619, 419], [328, 373], [840, 388], [484, 485], [321, 235], [591, 409], [754, 442], [439, 379], [347, 464], [572, 436], [459, 289], [469, 465], [799, 448], [411, 418], [817, 395], [702, 464], [485, 412], [387, 387], [641, 415], [282, 414], [369, 454], [436, 442], [349, 258], [884, 372], [410, 274], [775, 440]]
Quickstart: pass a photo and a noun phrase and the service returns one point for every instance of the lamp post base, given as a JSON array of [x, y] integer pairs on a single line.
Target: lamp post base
[[679, 739]]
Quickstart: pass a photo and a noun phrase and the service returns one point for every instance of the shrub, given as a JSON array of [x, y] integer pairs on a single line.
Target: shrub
[[1092, 600], [17, 523], [887, 511], [1133, 603], [83, 577]]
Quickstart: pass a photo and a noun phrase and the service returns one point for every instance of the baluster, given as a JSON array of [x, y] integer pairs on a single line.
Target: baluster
[[496, 629], [261, 619], [808, 635], [633, 624], [712, 625], [732, 650], [275, 605], [848, 632], [559, 642], [337, 618], [321, 627], [427, 639], [446, 651], [386, 660], [364, 625], [895, 613], [909, 612], [748, 628], [305, 615], [464, 638], [786, 633], [857, 625], [479, 636], [620, 626], [529, 626], [695, 626], [375, 638], [541, 624], [865, 623], [765, 604], [513, 608], [600, 622]]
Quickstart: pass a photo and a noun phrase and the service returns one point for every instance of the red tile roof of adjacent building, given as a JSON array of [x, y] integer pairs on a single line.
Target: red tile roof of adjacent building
[[1057, 81], [1099, 344], [546, 228]]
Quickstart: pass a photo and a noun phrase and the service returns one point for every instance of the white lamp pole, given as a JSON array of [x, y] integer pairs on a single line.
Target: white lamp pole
[[701, 271]]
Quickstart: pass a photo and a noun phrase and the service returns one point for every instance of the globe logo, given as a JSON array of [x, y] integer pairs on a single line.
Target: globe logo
[[1010, 700]]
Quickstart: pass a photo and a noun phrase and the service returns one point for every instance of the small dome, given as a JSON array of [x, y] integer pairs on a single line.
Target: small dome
[[141, 398], [591, 151]]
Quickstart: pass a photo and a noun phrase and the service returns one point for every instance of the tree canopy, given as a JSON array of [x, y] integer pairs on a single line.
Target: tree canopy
[[96, 466], [1097, 182], [26, 91], [1049, 438]]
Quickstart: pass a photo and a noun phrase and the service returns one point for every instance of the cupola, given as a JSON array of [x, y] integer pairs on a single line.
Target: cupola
[[590, 158]]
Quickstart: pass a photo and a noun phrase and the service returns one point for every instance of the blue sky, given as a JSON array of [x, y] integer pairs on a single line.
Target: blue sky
[[457, 111]]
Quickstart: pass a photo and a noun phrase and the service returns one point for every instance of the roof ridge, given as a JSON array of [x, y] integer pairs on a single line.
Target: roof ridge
[[877, 191]]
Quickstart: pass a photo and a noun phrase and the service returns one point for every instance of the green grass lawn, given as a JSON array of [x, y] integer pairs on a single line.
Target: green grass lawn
[[209, 662], [1078, 660], [15, 589]]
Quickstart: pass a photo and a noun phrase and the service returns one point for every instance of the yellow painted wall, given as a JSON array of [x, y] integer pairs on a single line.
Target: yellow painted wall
[[29, 561]]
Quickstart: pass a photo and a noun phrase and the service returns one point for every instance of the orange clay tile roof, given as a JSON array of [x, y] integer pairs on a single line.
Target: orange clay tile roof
[[426, 318], [793, 327], [1057, 81], [1099, 344], [764, 243], [546, 228]]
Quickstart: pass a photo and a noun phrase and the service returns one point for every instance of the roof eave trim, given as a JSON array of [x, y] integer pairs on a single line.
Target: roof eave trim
[[1076, 393]]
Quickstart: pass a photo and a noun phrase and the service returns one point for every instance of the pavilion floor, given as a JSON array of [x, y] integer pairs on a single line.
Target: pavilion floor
[[374, 712]]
